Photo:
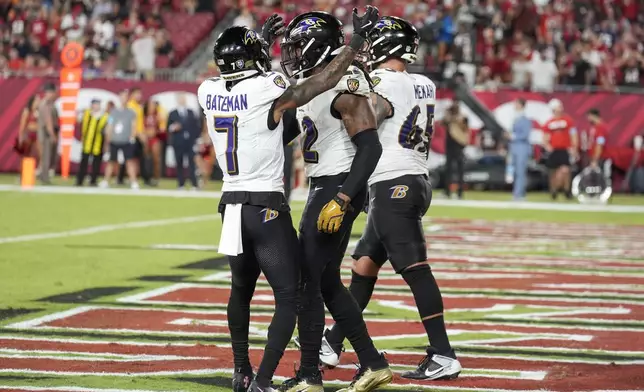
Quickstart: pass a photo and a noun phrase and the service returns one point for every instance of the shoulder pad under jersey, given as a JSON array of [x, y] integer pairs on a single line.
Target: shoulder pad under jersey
[[354, 81]]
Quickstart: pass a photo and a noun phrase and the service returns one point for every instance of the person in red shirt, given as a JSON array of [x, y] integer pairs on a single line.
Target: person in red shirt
[[596, 138], [560, 140]]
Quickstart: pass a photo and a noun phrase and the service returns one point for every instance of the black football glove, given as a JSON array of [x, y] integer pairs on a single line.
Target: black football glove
[[273, 28], [362, 25]]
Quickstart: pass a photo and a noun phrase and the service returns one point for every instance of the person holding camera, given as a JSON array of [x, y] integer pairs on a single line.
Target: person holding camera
[[457, 137]]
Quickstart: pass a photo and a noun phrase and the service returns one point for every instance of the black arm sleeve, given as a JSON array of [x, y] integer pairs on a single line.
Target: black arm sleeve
[[291, 127], [367, 155]]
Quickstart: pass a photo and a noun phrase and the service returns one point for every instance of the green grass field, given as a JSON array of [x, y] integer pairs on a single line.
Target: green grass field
[[55, 244]]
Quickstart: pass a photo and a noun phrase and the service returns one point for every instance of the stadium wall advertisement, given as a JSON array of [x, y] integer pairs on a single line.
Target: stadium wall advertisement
[[621, 112]]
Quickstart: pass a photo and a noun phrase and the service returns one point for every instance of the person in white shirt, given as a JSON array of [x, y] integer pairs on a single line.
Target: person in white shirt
[[543, 73]]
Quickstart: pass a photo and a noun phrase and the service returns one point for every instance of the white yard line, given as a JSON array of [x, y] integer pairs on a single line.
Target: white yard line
[[93, 357], [70, 388], [106, 228], [488, 204], [65, 190]]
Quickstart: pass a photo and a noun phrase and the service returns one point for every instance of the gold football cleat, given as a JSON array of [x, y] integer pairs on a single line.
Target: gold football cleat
[[370, 380]]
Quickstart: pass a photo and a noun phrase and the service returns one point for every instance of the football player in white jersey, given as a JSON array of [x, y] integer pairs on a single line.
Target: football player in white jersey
[[247, 109], [340, 148], [400, 194]]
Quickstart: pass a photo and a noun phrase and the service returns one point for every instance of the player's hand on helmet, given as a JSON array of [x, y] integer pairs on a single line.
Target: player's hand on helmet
[[332, 214], [273, 28], [363, 24]]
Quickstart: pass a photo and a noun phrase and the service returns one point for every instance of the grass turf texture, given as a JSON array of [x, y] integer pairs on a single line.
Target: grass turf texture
[[33, 270]]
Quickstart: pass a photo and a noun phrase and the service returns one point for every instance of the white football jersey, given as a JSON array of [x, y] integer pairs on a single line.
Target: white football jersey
[[327, 149], [405, 144], [427, 100], [250, 154]]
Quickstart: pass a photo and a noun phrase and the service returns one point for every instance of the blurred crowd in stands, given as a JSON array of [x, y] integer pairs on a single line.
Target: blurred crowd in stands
[[527, 44], [122, 38]]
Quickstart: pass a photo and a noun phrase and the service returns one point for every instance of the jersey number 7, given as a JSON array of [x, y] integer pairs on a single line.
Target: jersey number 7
[[228, 125], [412, 136]]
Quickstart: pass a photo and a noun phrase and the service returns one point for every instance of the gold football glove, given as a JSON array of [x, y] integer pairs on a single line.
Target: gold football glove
[[331, 216]]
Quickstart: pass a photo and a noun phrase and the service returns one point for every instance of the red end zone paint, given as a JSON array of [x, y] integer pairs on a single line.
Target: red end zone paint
[[219, 296], [193, 322], [558, 377]]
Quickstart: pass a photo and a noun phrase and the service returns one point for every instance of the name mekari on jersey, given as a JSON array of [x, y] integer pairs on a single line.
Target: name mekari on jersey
[[251, 155], [404, 136]]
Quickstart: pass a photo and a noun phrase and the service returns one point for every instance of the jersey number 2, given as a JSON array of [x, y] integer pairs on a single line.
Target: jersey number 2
[[414, 137], [228, 125], [310, 137]]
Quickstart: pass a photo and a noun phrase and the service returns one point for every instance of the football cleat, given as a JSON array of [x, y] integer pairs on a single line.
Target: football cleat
[[303, 383], [435, 367], [367, 379], [254, 387], [242, 380], [329, 354]]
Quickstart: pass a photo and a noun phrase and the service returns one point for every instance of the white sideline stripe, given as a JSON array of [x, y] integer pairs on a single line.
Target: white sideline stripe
[[97, 358], [95, 342], [64, 190], [396, 352], [487, 204], [50, 317], [105, 228], [118, 357], [35, 323], [402, 306], [124, 374], [207, 248], [160, 291], [590, 286], [74, 389]]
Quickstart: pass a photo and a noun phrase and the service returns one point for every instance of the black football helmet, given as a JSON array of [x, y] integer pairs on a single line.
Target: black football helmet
[[240, 53], [310, 39], [392, 37]]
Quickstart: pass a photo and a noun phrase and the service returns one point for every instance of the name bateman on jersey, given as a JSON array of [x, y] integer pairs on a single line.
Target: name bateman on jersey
[[227, 103], [424, 91]]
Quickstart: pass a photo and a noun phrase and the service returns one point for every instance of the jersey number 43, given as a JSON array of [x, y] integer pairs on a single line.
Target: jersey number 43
[[413, 136]]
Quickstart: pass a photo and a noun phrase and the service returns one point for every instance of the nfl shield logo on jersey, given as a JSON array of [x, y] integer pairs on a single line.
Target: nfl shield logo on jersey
[[269, 214], [399, 191], [239, 63], [279, 82], [353, 85]]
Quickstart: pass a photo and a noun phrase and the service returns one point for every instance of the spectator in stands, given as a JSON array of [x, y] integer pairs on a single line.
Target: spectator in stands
[[542, 72], [104, 31], [245, 18], [124, 58], [632, 70], [184, 127], [15, 63], [73, 24], [144, 50], [102, 9], [164, 47]]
